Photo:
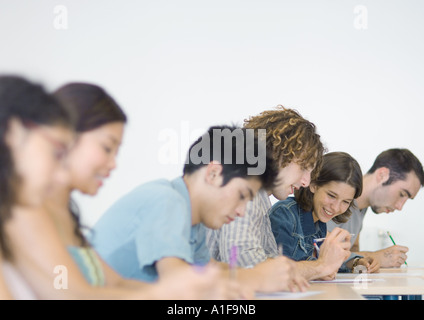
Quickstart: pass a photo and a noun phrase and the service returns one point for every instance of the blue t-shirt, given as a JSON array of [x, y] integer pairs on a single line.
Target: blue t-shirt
[[151, 222]]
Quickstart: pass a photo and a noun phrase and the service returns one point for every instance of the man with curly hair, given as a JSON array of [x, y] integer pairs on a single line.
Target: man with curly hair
[[297, 151]]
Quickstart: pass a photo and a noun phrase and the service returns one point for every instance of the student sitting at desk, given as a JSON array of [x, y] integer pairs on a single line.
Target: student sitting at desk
[[49, 236], [297, 149], [396, 176], [35, 133], [159, 227], [297, 221]]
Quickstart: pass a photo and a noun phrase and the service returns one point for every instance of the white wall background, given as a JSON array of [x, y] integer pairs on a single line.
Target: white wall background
[[177, 67]]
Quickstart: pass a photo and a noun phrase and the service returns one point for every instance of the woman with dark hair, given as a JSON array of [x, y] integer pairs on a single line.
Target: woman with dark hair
[[35, 134], [99, 130], [297, 223]]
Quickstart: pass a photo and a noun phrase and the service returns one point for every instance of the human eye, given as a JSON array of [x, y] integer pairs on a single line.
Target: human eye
[[60, 153], [107, 149]]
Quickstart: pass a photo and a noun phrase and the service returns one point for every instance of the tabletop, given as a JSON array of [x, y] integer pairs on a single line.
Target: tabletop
[[405, 281]]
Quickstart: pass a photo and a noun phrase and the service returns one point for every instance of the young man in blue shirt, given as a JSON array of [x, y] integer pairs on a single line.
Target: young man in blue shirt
[[159, 226]]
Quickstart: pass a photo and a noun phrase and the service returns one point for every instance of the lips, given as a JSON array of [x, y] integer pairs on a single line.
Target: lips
[[100, 178], [229, 219], [328, 213], [293, 188]]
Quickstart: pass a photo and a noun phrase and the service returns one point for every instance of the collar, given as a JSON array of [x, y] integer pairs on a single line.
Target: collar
[[179, 185], [308, 226]]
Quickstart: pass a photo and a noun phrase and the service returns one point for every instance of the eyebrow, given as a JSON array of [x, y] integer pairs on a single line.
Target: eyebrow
[[408, 193], [251, 193], [334, 193], [114, 140]]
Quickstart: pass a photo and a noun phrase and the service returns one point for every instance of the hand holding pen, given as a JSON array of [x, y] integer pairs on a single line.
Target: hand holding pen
[[318, 240], [296, 281], [393, 256], [334, 250]]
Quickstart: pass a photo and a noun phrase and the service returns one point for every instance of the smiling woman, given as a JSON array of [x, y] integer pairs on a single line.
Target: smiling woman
[[297, 222], [99, 126], [339, 170]]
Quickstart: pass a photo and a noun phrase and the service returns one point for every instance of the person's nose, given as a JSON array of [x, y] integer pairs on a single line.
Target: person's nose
[[336, 207], [399, 205], [241, 209], [306, 179], [61, 175]]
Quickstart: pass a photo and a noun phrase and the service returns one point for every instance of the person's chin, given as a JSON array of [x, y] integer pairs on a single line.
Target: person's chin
[[377, 210], [90, 191], [281, 196]]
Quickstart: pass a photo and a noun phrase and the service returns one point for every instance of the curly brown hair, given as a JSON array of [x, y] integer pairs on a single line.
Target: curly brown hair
[[289, 137]]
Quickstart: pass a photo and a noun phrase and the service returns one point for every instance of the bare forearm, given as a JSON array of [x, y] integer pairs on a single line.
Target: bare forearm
[[312, 269]]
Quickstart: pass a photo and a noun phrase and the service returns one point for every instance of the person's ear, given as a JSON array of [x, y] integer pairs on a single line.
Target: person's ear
[[214, 173], [382, 175], [15, 133]]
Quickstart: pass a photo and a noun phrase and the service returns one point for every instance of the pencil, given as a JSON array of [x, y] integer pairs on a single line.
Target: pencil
[[322, 239], [394, 243], [316, 248], [233, 262]]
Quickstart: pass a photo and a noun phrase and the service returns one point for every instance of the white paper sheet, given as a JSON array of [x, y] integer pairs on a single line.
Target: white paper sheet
[[286, 295], [347, 280]]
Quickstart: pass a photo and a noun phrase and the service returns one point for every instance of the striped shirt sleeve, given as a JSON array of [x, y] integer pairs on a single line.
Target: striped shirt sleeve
[[251, 234]]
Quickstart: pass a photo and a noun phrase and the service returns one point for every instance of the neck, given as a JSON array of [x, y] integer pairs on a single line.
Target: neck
[[60, 197], [314, 216], [193, 192], [367, 187]]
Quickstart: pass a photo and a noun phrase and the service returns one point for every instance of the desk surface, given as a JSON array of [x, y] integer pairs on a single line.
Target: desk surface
[[394, 281], [333, 291], [317, 291]]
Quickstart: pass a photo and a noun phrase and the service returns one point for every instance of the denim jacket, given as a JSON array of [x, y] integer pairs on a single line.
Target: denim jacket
[[295, 229]]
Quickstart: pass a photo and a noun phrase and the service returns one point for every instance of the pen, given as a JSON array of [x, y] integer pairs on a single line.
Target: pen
[[316, 248], [233, 262], [322, 239], [388, 233]]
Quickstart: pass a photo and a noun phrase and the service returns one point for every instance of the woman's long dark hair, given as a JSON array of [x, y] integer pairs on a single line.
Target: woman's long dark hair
[[29, 103], [339, 167], [94, 107]]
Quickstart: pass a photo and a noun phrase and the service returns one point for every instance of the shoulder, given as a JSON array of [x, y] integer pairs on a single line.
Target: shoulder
[[155, 187], [149, 198], [158, 190], [285, 212], [288, 204]]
